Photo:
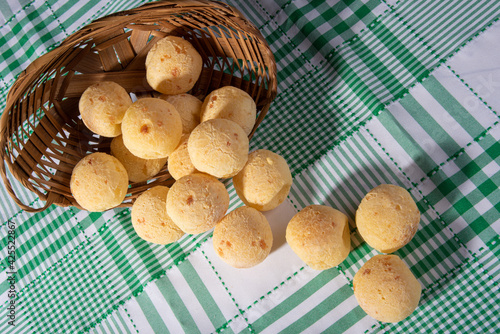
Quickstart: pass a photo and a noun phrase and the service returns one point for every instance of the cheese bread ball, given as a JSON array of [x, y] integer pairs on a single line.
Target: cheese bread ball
[[265, 180], [99, 182], [188, 107], [243, 238], [179, 163], [150, 219], [218, 147], [386, 289], [102, 107], [319, 235], [197, 202], [138, 169], [173, 66], [230, 103], [387, 218], [152, 128]]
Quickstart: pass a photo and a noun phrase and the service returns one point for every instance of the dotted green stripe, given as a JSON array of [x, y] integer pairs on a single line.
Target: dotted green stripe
[[434, 293], [158, 276], [429, 204], [362, 123], [241, 312]]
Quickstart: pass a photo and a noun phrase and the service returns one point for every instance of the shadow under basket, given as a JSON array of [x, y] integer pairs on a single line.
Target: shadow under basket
[[42, 134]]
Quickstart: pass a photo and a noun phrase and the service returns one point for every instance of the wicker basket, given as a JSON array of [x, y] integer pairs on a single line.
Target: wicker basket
[[43, 136]]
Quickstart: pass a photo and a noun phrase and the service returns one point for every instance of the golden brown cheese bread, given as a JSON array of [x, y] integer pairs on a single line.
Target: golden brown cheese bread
[[387, 218], [138, 169], [218, 147], [319, 235], [243, 238], [173, 66], [102, 107], [188, 107], [230, 103], [99, 182], [265, 180], [197, 202], [179, 162], [151, 128], [386, 289], [151, 220]]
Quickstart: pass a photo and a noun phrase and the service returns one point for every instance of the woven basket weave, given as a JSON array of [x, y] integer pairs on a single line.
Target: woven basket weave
[[42, 135]]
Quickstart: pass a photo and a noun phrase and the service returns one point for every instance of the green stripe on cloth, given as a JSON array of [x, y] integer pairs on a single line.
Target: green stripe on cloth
[[290, 65], [430, 254], [253, 10], [402, 46], [18, 49], [457, 22], [323, 25], [471, 184], [348, 69], [444, 308], [456, 110], [72, 19], [324, 295], [294, 300], [26, 196], [67, 288], [360, 65], [137, 261], [344, 324], [8, 208], [152, 314], [326, 306], [202, 294], [55, 229], [143, 250], [429, 125], [114, 323], [109, 247], [429, 116], [359, 172], [377, 66], [178, 306]]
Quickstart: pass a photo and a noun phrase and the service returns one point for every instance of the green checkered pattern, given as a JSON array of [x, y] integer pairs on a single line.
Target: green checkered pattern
[[472, 283], [474, 186], [366, 96]]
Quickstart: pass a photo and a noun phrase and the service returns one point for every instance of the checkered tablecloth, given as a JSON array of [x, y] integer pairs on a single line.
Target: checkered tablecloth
[[370, 92]]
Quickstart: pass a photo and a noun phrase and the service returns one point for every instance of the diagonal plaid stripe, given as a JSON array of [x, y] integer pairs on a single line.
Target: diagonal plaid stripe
[[375, 67], [323, 25], [431, 253], [432, 114], [432, 23], [114, 323], [470, 184], [66, 291], [17, 47], [55, 229], [467, 286], [191, 297]]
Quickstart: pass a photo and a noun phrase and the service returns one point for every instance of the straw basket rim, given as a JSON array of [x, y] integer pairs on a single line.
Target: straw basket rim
[[41, 138]]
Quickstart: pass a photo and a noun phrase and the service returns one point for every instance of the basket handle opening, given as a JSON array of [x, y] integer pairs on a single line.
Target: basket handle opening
[[51, 198]]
